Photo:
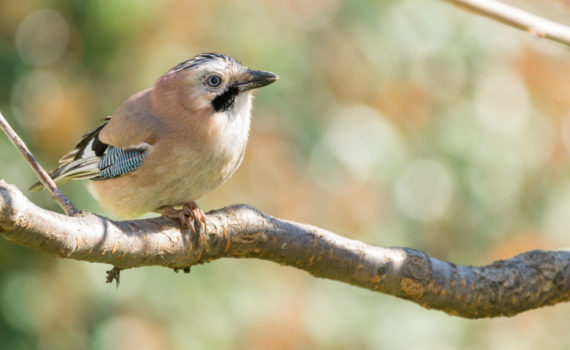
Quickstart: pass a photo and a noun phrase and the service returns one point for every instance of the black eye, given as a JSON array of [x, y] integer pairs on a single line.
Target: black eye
[[214, 80]]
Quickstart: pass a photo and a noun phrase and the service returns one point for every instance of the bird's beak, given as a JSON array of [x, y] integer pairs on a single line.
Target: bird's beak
[[254, 79]]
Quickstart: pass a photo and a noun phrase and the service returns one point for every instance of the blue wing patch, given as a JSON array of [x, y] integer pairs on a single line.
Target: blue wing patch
[[118, 161]]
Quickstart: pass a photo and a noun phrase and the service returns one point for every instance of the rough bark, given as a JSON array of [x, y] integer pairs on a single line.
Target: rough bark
[[503, 288]]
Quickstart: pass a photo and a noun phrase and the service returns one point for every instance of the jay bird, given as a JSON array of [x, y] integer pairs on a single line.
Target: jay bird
[[171, 144]]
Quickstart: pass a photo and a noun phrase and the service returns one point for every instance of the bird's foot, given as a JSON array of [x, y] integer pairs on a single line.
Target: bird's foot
[[190, 216], [194, 216]]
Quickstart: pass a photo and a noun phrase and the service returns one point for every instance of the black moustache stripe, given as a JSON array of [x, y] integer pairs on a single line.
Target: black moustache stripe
[[225, 100]]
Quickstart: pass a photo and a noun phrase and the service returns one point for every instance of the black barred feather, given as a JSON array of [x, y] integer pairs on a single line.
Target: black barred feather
[[118, 161]]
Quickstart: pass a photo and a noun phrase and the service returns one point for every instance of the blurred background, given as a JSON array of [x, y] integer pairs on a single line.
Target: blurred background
[[398, 123]]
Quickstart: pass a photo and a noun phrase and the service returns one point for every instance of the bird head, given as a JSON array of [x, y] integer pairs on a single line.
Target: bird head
[[211, 82]]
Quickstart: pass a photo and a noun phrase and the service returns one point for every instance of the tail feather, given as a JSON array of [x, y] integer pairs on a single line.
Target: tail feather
[[81, 162], [78, 169], [38, 186]]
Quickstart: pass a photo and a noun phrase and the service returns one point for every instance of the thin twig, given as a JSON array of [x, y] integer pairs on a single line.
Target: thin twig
[[43, 176], [514, 17]]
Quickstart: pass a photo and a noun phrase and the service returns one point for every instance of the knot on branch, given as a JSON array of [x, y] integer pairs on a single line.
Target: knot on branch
[[416, 273]]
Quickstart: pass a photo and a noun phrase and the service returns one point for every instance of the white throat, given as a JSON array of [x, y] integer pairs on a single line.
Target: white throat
[[235, 123]]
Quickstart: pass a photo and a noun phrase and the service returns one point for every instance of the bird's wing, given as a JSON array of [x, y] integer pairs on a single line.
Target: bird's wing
[[93, 159]]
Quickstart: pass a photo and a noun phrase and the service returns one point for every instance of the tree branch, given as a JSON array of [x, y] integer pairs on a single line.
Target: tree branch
[[507, 287], [517, 18]]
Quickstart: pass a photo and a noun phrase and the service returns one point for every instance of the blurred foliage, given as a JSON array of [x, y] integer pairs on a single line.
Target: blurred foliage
[[402, 123]]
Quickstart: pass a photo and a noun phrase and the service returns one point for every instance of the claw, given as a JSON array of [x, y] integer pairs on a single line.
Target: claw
[[190, 216]]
